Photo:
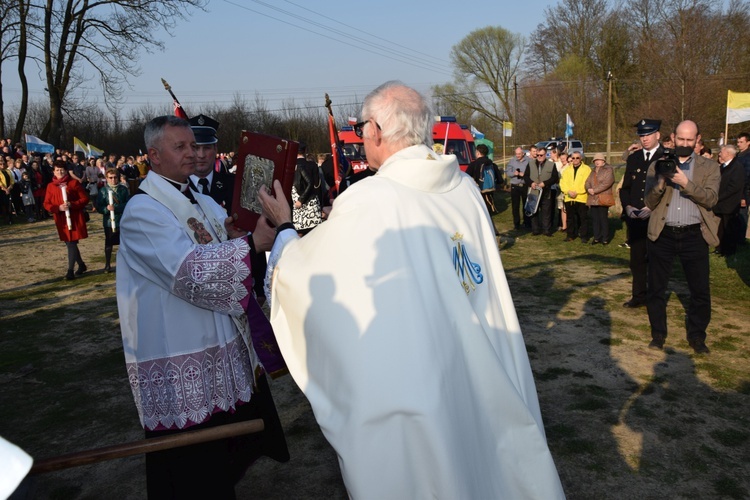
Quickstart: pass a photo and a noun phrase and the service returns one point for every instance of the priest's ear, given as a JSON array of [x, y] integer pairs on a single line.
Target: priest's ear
[[153, 156]]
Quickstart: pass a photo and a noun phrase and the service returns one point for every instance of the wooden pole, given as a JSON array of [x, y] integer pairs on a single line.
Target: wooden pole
[[609, 119], [87, 457]]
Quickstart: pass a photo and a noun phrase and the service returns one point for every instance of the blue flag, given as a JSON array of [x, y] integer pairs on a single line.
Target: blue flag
[[36, 145], [568, 126]]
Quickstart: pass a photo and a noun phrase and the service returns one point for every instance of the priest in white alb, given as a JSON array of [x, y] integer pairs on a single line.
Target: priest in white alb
[[395, 319], [191, 327]]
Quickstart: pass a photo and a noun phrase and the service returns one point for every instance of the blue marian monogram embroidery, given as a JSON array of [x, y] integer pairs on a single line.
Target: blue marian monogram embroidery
[[468, 272]]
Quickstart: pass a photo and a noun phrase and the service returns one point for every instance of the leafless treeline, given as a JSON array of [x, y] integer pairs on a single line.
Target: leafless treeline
[[668, 59]]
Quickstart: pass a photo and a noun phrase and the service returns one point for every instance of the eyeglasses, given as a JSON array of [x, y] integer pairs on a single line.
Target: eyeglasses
[[575, 158], [358, 127], [541, 155]]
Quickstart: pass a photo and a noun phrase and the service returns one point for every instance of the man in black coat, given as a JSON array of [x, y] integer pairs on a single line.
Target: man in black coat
[[220, 187], [476, 169], [731, 191], [743, 156], [634, 209]]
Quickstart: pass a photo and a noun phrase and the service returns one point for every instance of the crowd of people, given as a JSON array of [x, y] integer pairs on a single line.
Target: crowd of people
[[417, 239], [677, 201]]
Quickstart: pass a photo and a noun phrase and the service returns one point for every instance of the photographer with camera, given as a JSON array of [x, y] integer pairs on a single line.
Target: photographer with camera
[[681, 190]]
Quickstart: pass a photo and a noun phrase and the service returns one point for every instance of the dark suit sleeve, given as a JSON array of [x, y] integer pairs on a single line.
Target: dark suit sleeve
[[627, 183]]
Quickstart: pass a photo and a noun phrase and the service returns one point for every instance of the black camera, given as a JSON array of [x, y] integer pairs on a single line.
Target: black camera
[[667, 165]]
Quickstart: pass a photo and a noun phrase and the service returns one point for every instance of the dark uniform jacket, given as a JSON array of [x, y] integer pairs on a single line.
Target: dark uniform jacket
[[634, 181], [221, 189], [731, 188]]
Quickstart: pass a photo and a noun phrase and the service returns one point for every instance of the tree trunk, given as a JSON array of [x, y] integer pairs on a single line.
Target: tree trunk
[[2, 109], [22, 46]]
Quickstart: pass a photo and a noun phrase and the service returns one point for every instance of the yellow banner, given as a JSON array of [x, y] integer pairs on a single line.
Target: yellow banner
[[738, 107]]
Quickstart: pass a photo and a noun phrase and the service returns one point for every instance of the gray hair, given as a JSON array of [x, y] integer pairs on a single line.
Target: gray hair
[[730, 148], [155, 129], [402, 113]]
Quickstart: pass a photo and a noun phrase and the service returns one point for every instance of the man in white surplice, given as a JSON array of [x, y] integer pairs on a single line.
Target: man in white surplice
[[184, 294], [395, 319]]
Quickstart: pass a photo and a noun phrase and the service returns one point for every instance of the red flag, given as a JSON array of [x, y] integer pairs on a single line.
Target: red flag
[[334, 150], [178, 111], [340, 163]]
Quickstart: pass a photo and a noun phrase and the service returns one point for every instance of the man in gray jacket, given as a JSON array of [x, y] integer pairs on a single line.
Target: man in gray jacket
[[682, 225]]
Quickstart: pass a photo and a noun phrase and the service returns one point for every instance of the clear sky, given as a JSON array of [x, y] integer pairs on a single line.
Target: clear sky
[[299, 49]]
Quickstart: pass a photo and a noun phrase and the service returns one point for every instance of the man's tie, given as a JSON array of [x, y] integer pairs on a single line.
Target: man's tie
[[648, 155], [204, 185]]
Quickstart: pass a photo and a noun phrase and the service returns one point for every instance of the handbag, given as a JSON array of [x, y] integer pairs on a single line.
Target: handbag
[[606, 198]]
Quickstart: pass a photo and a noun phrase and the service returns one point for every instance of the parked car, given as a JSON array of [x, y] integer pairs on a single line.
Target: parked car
[[576, 146]]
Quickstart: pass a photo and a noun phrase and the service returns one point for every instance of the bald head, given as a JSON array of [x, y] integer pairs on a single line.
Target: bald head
[[686, 135]]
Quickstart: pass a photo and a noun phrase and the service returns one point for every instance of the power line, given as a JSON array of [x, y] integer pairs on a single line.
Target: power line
[[402, 58]]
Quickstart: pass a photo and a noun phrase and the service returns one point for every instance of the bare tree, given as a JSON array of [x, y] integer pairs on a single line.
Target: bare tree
[[9, 37], [100, 36], [485, 63]]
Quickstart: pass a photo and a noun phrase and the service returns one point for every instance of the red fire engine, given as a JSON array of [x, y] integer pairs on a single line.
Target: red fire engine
[[455, 139]]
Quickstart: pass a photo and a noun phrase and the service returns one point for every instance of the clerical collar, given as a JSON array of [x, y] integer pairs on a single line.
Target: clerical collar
[[178, 185]]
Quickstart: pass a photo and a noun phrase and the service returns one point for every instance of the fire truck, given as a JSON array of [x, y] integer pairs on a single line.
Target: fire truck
[[455, 138], [354, 148]]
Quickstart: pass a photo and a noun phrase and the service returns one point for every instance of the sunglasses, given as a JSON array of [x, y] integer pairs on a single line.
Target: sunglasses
[[358, 128], [540, 155]]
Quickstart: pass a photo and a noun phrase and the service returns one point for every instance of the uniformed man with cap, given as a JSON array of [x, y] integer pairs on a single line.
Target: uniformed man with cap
[[219, 185], [635, 211]]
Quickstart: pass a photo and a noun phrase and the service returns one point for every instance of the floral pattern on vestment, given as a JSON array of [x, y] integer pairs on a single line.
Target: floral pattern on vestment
[[212, 276], [179, 391]]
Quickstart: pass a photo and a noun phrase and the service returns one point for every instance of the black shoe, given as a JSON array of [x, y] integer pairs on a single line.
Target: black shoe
[[82, 269], [548, 234], [605, 242], [700, 347], [107, 269], [632, 304], [657, 345], [536, 234], [517, 227], [595, 242], [70, 275], [569, 239], [585, 241]]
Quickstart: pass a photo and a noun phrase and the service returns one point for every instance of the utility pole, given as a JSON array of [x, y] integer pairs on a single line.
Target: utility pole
[[515, 112], [609, 118]]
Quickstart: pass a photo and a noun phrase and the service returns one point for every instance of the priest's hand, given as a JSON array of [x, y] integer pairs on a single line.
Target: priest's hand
[[233, 231], [275, 206], [263, 235]]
